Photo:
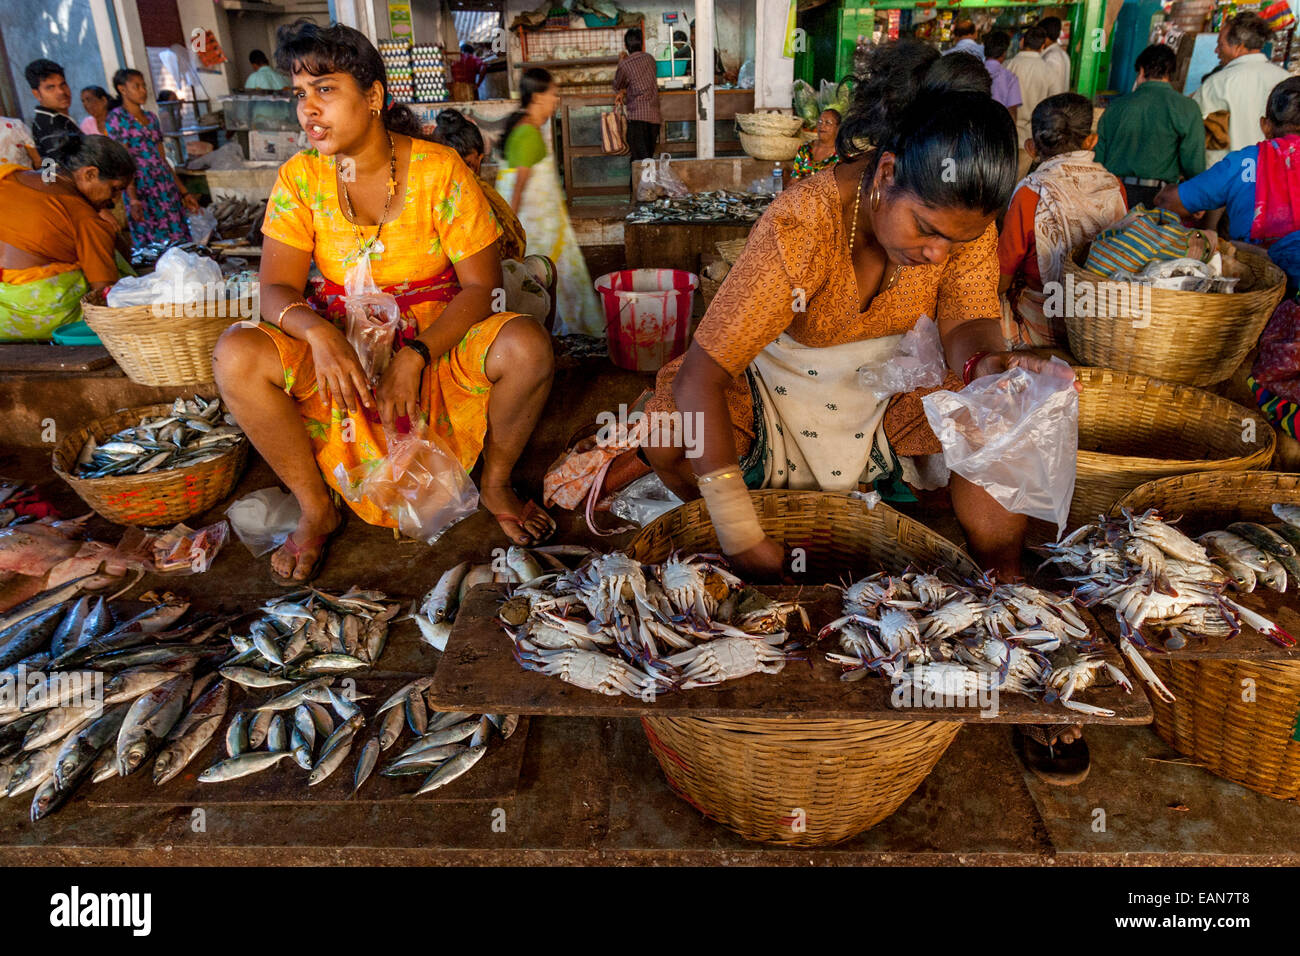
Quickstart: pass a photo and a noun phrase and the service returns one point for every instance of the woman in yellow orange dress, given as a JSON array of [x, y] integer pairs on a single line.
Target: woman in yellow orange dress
[[368, 187]]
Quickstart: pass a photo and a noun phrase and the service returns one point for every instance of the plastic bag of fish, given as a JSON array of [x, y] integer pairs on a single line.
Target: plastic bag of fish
[[194, 432]]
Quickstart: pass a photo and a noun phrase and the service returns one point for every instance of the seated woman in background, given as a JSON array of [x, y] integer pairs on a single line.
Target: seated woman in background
[[97, 103], [1066, 201], [529, 280], [820, 153], [57, 241], [1259, 185]]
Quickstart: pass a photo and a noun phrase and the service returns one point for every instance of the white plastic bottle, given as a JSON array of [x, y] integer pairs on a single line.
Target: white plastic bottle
[[777, 184]]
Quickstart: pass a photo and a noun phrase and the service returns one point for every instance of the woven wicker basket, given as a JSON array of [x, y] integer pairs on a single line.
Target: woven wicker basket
[[769, 124], [730, 249], [1192, 338], [778, 148], [168, 350], [1251, 742], [156, 498], [753, 775], [1133, 429]]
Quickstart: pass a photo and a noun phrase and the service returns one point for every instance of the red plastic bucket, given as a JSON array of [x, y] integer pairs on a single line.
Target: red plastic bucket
[[648, 315]]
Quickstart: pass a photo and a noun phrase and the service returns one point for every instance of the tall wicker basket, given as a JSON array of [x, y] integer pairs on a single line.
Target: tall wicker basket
[[802, 782], [166, 350], [1252, 742], [1134, 429], [1192, 338]]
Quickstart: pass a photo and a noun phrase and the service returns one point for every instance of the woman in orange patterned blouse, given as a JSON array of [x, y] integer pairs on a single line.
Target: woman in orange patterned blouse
[[837, 269], [369, 187]]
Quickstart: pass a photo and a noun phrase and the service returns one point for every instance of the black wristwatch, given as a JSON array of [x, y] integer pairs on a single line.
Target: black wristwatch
[[422, 349]]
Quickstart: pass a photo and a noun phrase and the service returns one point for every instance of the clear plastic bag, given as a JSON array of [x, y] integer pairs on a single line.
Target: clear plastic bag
[[178, 277], [418, 483], [745, 78], [264, 519], [202, 225], [373, 319], [1016, 435], [919, 363], [658, 181], [644, 500], [187, 551]]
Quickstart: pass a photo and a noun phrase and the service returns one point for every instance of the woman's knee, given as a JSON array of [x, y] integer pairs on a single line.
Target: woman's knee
[[522, 345], [240, 355]]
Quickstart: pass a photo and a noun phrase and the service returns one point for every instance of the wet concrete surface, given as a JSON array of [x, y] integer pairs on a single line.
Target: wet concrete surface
[[589, 790]]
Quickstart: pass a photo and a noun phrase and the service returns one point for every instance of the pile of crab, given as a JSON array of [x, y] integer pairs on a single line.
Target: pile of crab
[[1156, 578], [966, 639], [617, 626]]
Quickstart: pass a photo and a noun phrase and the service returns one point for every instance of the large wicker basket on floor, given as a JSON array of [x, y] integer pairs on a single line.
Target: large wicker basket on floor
[[1134, 429], [1249, 741], [754, 775], [166, 350], [155, 498], [1193, 338]]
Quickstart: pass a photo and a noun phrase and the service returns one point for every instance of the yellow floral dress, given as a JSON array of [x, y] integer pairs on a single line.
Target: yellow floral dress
[[443, 219]]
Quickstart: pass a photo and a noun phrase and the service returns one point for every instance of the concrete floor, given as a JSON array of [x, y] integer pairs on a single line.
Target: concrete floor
[[589, 790]]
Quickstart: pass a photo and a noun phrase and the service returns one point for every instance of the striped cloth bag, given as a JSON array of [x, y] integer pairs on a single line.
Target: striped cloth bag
[[1143, 236]]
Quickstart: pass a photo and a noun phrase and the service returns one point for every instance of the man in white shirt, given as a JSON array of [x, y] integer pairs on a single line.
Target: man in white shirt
[[1038, 80], [1243, 83], [1055, 54]]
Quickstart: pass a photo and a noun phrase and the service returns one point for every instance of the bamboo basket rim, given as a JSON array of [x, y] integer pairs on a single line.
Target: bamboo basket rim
[[1209, 479], [127, 481], [772, 120], [777, 149], [1099, 458], [837, 500]]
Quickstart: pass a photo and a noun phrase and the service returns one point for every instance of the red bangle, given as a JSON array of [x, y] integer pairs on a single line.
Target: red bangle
[[969, 367]]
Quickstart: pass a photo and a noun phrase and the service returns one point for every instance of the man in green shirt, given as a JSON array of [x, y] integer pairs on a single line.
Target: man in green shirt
[[1153, 135], [264, 77]]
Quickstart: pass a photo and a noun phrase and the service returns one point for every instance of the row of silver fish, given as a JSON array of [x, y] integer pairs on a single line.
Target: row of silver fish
[[195, 431], [720, 205], [298, 646], [91, 691]]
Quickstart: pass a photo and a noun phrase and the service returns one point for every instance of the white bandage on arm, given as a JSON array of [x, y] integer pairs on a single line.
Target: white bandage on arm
[[731, 510]]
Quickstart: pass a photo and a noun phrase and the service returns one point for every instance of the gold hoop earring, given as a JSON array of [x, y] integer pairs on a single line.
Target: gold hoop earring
[[875, 197], [374, 110]]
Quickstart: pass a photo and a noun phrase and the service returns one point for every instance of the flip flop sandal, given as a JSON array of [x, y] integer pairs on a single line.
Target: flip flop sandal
[[529, 509], [321, 544], [1062, 765]]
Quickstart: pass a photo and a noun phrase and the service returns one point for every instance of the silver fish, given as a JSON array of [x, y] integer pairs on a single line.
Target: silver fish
[[321, 717], [391, 729], [365, 763], [148, 722], [451, 735], [53, 725], [445, 719], [237, 734], [252, 677], [417, 715], [440, 602], [78, 751], [259, 728], [452, 769], [70, 627], [479, 574], [277, 737], [399, 696], [300, 749], [32, 770], [523, 564], [192, 732], [330, 760], [305, 724], [296, 696], [233, 767], [505, 724], [427, 755]]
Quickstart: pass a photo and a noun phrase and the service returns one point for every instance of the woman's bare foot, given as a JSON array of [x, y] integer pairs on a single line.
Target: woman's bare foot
[[296, 557], [524, 523]]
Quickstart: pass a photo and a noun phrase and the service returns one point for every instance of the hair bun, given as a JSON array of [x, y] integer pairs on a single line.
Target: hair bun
[[65, 146]]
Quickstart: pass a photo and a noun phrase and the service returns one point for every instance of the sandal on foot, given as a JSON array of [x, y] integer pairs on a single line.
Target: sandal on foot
[[321, 544], [1062, 765], [530, 509]]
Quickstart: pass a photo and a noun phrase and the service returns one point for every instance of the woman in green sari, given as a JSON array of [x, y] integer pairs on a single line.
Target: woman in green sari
[[57, 240]]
